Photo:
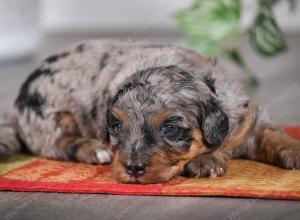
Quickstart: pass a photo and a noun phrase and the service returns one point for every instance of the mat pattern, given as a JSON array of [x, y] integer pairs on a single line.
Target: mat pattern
[[243, 179]]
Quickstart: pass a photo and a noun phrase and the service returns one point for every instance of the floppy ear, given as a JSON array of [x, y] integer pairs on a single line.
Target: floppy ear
[[103, 118], [214, 124]]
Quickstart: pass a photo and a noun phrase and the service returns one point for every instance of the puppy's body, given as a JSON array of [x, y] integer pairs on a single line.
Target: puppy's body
[[62, 108]]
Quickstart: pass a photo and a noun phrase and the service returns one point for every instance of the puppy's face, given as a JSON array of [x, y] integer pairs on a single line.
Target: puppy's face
[[158, 122]]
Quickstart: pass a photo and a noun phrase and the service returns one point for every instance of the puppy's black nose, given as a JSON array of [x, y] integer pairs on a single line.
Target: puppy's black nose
[[135, 170]]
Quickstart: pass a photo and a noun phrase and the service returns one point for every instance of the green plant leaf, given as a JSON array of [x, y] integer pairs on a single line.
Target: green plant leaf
[[265, 35], [210, 25], [292, 4]]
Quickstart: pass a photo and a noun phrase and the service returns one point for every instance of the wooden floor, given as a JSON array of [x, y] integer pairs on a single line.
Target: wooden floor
[[77, 206], [279, 91]]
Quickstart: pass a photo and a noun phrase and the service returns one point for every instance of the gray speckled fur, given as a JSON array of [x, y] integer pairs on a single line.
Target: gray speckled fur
[[92, 73]]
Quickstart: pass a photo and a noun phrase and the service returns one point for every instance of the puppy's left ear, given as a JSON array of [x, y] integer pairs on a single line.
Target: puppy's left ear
[[214, 124], [103, 119]]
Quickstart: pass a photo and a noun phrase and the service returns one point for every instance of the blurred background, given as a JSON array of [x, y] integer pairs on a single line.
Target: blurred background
[[258, 42]]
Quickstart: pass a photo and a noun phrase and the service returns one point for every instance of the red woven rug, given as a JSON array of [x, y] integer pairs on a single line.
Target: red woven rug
[[243, 179]]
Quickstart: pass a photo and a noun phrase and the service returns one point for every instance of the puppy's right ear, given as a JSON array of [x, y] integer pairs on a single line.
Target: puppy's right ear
[[214, 124]]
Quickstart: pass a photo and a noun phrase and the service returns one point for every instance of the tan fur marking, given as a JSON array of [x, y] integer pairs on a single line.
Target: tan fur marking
[[197, 148], [121, 115], [67, 122], [160, 117], [240, 134], [118, 170]]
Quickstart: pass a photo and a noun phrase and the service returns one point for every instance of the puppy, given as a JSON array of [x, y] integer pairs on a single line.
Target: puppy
[[154, 111]]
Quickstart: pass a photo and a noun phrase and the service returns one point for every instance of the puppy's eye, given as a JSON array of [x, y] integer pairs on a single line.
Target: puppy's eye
[[168, 129], [116, 127]]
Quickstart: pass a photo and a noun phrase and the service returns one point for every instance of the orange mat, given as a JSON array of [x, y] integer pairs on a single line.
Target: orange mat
[[243, 179]]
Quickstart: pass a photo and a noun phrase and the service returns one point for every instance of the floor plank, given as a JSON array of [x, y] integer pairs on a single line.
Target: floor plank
[[20, 205]]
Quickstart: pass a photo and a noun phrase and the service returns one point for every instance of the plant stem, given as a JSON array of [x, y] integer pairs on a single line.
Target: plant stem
[[236, 57]]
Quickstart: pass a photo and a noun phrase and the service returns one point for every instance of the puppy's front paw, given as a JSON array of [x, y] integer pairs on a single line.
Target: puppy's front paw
[[92, 151], [206, 165], [289, 157]]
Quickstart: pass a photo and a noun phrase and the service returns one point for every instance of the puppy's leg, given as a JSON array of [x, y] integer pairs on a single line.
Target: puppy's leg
[[273, 146], [9, 143], [82, 149], [71, 145], [207, 165]]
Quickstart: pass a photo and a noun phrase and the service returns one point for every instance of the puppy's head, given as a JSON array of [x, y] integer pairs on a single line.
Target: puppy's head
[[159, 120]]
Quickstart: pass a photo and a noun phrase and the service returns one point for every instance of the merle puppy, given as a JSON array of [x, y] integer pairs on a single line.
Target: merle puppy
[[154, 111]]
